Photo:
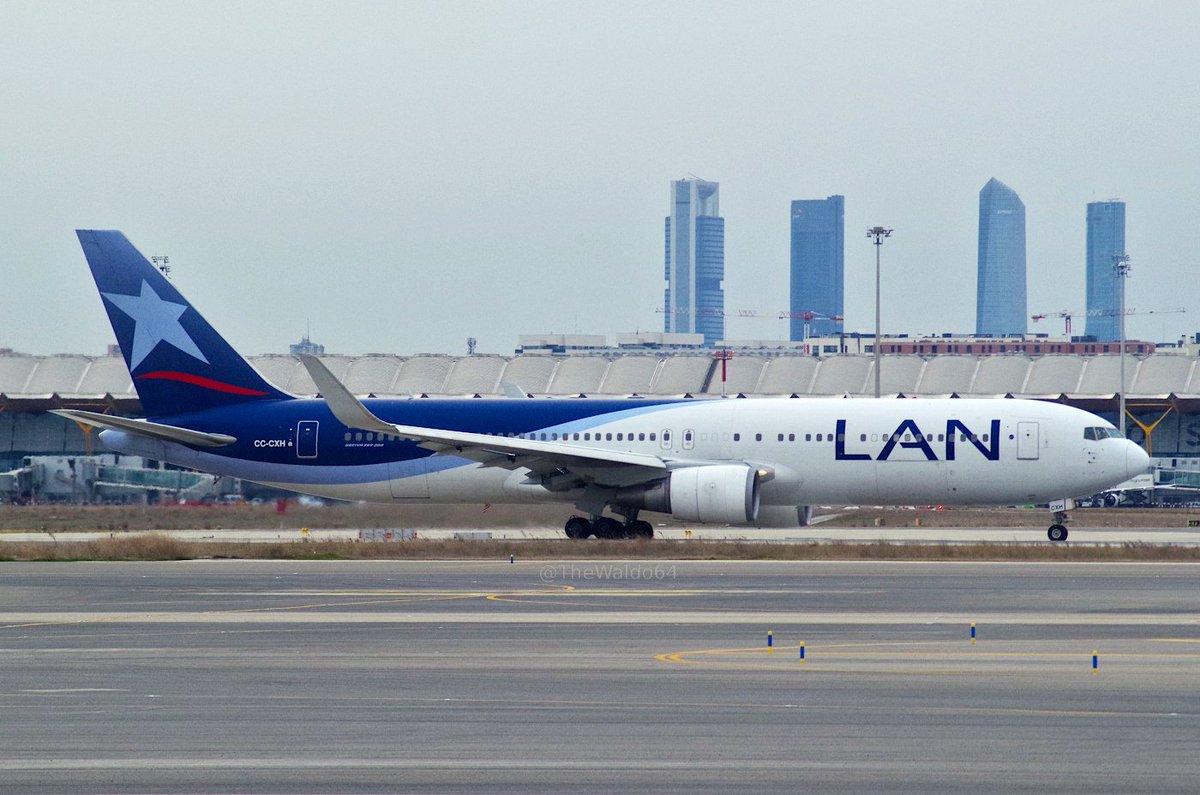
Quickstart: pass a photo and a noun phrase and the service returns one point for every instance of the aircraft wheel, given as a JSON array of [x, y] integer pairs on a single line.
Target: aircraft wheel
[[577, 527], [1057, 532], [640, 529], [606, 527]]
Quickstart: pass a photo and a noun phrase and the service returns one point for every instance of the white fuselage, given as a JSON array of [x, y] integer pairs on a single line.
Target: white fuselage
[[915, 451]]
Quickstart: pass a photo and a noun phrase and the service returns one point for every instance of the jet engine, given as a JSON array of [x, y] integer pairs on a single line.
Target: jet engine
[[725, 493]]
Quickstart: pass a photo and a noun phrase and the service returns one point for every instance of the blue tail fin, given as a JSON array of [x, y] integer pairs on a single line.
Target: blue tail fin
[[178, 362]]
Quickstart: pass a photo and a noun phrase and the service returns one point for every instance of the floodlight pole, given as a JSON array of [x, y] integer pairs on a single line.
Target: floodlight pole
[[878, 233], [1121, 272]]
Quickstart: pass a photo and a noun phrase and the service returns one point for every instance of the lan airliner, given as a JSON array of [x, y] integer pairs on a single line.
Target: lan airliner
[[725, 461]]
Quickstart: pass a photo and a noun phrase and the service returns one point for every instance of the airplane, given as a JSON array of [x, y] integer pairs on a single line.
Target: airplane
[[728, 461]]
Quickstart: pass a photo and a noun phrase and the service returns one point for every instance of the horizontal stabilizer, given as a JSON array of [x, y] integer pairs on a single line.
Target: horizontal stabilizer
[[154, 430]]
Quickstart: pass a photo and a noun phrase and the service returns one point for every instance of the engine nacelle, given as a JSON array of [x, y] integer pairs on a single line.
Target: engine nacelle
[[726, 494]]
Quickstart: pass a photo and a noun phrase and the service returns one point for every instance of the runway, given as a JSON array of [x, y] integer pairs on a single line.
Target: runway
[[622, 676]]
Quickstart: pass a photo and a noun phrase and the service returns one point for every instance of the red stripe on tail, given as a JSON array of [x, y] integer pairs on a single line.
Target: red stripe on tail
[[201, 381]]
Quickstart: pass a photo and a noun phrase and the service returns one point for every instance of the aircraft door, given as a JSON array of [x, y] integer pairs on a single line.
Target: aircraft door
[[306, 439], [1028, 441], [666, 438], [409, 480], [689, 439]]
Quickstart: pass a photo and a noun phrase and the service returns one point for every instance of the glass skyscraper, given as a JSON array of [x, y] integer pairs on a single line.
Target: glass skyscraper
[[818, 265], [1105, 240], [1000, 298], [695, 261]]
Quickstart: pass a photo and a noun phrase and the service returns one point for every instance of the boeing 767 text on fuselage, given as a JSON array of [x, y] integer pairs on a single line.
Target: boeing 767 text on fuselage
[[698, 460]]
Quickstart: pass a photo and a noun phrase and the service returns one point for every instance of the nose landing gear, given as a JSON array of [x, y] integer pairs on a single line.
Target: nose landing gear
[[1058, 530]]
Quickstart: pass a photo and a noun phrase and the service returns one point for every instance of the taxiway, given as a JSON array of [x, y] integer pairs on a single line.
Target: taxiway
[[592, 676]]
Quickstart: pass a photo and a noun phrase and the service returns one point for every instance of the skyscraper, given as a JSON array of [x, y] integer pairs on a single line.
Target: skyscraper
[[1000, 305], [695, 261], [1105, 240], [818, 265]]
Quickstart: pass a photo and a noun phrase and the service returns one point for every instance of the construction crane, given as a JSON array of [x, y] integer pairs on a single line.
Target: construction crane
[[1067, 314], [1110, 312]]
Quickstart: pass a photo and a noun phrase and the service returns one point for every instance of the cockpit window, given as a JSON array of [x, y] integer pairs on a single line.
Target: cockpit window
[[1097, 433]]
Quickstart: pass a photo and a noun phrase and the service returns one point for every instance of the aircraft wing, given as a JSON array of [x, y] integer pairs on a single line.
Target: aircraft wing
[[154, 430], [607, 467]]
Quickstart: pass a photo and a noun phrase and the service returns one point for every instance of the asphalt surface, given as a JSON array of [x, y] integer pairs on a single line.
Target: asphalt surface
[[237, 676]]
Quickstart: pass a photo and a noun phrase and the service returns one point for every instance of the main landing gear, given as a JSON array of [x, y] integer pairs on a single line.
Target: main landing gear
[[606, 527]]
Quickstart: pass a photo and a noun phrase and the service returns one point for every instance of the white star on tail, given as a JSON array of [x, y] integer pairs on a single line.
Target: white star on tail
[[155, 321]]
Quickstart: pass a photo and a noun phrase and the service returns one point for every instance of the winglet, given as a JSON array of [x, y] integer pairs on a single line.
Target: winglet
[[348, 409]]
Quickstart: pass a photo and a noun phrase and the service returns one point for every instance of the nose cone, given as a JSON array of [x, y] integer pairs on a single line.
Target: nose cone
[[1136, 460]]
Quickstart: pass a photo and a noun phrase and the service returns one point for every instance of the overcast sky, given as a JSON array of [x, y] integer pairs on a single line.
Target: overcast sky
[[406, 175]]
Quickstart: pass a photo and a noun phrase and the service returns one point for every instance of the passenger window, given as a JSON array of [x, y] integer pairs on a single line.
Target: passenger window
[[941, 437], [358, 437], [641, 437], [862, 437], [841, 437], [543, 437], [820, 437], [348, 437], [737, 437], [808, 437], [608, 437], [985, 437], [781, 437], [758, 437], [874, 437], [791, 437], [654, 437]]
